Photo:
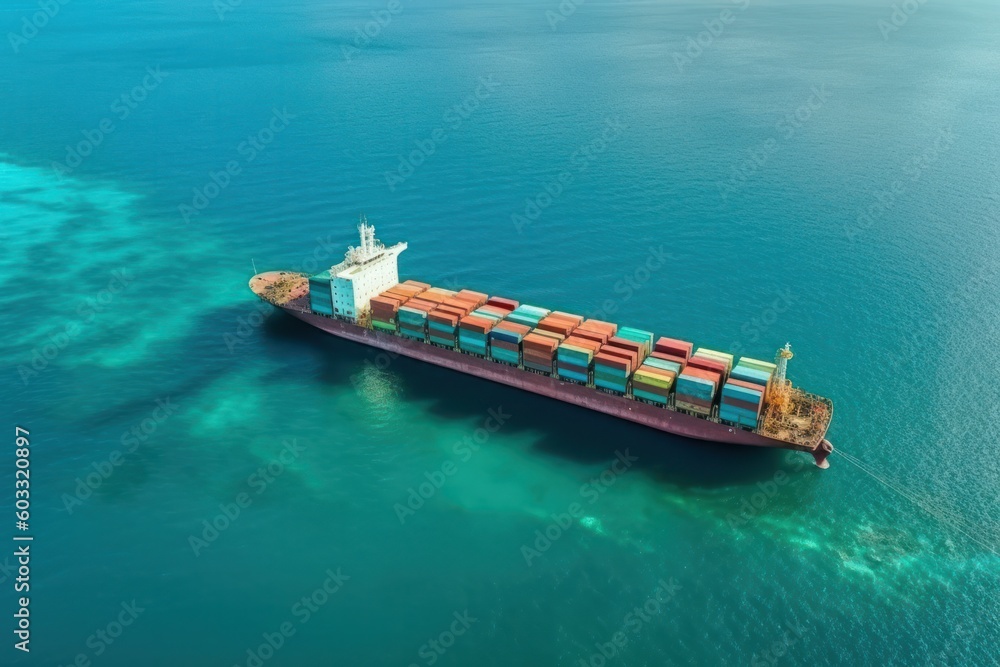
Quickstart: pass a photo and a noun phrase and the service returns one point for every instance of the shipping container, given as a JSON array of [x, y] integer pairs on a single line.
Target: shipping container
[[644, 338], [500, 302], [674, 347], [321, 293], [724, 357], [476, 298]]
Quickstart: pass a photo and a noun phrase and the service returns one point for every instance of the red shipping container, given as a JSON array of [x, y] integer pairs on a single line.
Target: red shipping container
[[573, 368], [414, 283], [631, 355], [693, 400], [707, 364], [500, 302], [504, 345], [673, 346], [746, 405], [746, 385], [614, 341]]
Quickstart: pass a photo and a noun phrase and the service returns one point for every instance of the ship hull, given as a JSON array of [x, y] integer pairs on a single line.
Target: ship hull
[[659, 418]]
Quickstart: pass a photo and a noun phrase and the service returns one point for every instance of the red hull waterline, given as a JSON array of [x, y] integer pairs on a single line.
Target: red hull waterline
[[660, 418]]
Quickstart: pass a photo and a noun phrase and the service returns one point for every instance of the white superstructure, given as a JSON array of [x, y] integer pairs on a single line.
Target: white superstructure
[[366, 271]]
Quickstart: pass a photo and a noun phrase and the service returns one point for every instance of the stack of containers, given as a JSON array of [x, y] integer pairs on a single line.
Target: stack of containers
[[560, 323], [587, 330], [527, 315], [619, 358], [607, 329], [442, 326], [628, 345], [386, 305], [412, 317], [709, 363], [415, 283], [384, 309], [539, 351], [673, 349], [724, 358], [437, 295], [321, 294], [654, 379], [403, 291], [477, 299], [505, 342], [644, 338], [756, 372], [742, 403], [696, 389], [473, 331], [574, 358], [612, 368], [442, 323]]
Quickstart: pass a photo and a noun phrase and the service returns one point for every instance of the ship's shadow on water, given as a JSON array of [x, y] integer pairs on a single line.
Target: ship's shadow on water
[[561, 430]]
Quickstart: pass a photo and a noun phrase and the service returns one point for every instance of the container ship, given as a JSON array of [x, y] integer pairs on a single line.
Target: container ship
[[664, 383]]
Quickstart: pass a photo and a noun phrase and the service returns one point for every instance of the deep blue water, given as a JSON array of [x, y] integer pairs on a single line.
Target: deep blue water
[[808, 174]]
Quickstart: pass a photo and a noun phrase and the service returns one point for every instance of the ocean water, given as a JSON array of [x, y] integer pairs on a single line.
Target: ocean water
[[216, 484]]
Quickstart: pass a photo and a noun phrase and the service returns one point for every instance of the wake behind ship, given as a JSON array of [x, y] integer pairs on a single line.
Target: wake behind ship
[[663, 383]]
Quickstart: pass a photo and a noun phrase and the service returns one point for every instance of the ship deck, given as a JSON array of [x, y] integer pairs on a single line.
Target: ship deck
[[802, 428]]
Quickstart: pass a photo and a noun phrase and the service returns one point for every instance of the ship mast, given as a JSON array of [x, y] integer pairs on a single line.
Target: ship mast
[[781, 389]]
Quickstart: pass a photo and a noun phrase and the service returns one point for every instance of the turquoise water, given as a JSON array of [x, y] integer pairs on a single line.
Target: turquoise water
[[800, 176]]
